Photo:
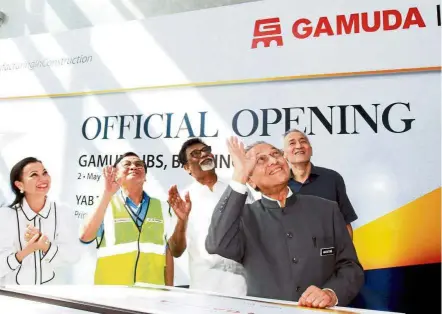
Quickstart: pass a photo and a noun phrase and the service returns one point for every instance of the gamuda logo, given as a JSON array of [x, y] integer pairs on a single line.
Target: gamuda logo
[[269, 30]]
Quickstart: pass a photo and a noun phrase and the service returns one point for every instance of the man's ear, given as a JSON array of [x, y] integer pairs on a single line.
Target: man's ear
[[251, 183], [186, 167]]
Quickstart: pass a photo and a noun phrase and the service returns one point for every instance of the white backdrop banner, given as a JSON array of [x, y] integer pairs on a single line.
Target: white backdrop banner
[[363, 81], [218, 45]]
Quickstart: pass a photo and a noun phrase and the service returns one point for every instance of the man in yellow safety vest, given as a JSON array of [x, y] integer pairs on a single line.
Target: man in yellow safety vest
[[130, 228]]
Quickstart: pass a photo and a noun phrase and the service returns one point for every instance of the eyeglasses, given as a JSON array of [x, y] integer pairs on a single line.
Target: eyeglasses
[[198, 152], [137, 164], [264, 159]]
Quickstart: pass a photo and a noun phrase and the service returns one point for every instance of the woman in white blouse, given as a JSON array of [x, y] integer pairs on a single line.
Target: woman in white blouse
[[37, 236]]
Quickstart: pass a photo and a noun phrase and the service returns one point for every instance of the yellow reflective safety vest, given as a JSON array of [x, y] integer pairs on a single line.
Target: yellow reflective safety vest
[[126, 255]]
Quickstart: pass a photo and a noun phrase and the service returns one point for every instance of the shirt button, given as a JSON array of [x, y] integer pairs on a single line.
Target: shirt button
[[295, 260], [289, 235], [298, 288]]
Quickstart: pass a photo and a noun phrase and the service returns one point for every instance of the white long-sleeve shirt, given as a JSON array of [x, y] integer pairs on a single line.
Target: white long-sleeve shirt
[[211, 273], [55, 221]]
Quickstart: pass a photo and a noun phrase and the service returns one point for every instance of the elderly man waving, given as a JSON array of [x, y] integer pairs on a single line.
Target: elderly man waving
[[293, 247]]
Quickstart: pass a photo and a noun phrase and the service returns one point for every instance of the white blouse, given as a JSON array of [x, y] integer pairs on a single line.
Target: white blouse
[[58, 223]]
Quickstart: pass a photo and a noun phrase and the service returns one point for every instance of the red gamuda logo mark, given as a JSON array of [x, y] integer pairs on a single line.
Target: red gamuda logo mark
[[268, 30]]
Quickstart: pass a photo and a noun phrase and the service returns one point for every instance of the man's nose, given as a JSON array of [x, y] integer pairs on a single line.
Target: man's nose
[[272, 160]]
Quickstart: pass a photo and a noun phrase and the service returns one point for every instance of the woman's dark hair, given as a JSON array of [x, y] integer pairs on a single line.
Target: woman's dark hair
[[16, 175]]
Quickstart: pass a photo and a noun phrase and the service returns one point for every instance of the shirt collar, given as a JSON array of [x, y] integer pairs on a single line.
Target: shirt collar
[[127, 198], [219, 181], [272, 201], [30, 214], [313, 171]]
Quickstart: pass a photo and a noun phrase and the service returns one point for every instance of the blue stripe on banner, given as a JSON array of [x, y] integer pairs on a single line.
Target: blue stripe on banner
[[410, 289]]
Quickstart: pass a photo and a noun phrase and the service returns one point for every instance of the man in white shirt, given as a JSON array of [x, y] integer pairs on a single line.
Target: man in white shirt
[[211, 273]]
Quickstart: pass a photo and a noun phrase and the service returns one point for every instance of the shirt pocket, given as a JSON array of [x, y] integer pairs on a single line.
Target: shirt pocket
[[26, 272], [325, 251], [47, 272], [324, 246], [324, 241], [324, 256]]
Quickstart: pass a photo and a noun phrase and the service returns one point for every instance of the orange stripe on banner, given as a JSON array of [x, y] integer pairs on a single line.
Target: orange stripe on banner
[[233, 82], [410, 235]]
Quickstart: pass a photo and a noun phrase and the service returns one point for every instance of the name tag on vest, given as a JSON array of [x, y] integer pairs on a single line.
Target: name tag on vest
[[156, 220], [327, 251], [120, 220]]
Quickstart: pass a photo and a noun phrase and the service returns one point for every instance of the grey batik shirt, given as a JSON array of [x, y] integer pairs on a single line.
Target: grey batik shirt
[[285, 250]]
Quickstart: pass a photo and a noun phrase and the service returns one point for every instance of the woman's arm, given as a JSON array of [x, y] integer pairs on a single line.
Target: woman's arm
[[66, 247], [10, 256]]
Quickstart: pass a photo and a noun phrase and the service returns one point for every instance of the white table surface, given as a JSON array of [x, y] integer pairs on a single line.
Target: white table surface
[[162, 300]]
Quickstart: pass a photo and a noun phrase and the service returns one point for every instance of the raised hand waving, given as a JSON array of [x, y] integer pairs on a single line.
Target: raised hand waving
[[180, 207], [111, 182], [243, 163]]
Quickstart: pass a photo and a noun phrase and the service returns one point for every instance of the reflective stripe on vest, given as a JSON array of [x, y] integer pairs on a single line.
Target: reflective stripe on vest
[[125, 255], [130, 247]]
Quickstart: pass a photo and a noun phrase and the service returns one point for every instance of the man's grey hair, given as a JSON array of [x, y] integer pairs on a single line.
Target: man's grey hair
[[295, 131], [249, 147]]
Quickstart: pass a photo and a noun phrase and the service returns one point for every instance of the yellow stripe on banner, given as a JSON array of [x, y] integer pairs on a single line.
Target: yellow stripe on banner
[[410, 235], [233, 82]]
